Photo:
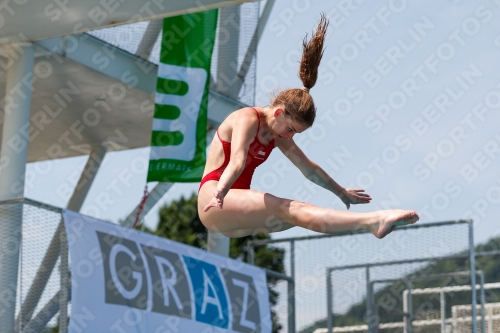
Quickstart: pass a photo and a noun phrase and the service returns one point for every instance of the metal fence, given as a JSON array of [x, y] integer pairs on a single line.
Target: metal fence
[[394, 296], [43, 255], [308, 258], [289, 308], [428, 320], [43, 291]]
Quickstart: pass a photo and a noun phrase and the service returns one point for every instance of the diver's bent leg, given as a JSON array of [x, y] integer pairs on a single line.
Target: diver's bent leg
[[255, 210]]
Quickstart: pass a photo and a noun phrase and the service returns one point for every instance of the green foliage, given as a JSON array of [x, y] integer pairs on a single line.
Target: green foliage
[[180, 222], [389, 301]]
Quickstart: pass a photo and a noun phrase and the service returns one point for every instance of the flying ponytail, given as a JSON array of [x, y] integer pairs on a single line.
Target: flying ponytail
[[298, 103], [312, 52]]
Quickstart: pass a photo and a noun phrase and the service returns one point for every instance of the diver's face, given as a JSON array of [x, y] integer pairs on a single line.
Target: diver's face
[[285, 127]]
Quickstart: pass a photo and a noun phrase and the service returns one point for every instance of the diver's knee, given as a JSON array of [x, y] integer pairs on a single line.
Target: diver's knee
[[295, 211]]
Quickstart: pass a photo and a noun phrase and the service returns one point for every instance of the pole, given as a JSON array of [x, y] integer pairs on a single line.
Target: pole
[[87, 178], [410, 308], [291, 306], [250, 253], [442, 302], [472, 259], [64, 276], [329, 301], [14, 154], [373, 326], [483, 303], [149, 38], [406, 318], [291, 289], [369, 303]]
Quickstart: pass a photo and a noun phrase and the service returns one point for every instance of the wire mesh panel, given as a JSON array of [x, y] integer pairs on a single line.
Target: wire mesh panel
[[10, 234], [249, 21], [42, 257], [432, 296], [309, 271], [281, 291], [349, 290], [493, 317], [38, 280], [39, 258], [313, 255], [286, 247], [390, 301], [407, 244], [462, 319], [280, 309], [128, 37]]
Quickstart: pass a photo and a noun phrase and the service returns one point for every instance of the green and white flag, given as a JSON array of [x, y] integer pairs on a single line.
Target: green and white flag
[[178, 140]]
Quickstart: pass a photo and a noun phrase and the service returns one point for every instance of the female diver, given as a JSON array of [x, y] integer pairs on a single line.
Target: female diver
[[244, 140]]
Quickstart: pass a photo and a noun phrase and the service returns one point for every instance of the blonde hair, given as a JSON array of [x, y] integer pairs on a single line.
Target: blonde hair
[[298, 103]]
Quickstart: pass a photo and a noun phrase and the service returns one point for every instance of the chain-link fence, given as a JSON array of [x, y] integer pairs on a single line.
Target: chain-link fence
[[417, 252], [308, 258], [42, 254]]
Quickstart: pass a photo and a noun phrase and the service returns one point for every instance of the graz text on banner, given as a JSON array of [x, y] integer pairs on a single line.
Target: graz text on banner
[[124, 280]]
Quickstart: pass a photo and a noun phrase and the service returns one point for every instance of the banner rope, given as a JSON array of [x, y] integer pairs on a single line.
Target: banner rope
[[141, 206]]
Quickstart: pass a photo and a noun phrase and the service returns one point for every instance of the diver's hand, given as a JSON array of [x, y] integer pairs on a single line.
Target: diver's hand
[[216, 201], [354, 196]]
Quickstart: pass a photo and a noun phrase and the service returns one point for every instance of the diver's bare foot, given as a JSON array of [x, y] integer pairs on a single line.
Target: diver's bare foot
[[387, 220]]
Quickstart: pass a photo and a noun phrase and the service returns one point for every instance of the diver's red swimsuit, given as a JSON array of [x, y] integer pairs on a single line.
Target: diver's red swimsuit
[[257, 154]]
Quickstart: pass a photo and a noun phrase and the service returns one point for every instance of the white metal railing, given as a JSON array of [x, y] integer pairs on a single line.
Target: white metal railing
[[489, 316], [416, 323]]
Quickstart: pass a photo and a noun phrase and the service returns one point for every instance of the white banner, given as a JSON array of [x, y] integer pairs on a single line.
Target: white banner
[[124, 280]]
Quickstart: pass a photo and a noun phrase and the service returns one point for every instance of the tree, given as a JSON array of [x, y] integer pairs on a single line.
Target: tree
[[180, 222]]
